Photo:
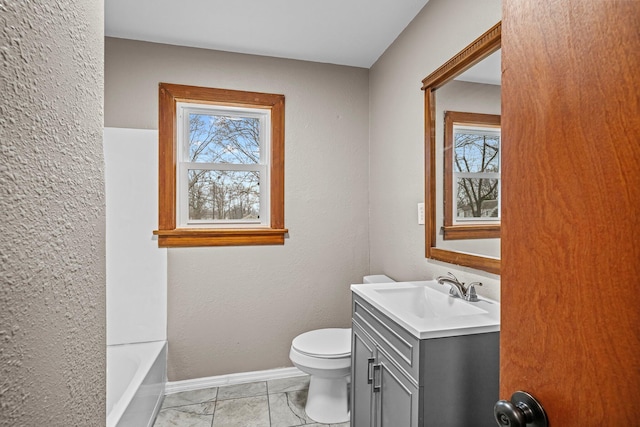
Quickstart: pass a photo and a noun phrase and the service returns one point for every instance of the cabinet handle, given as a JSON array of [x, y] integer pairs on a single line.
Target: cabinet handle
[[369, 363], [376, 388]]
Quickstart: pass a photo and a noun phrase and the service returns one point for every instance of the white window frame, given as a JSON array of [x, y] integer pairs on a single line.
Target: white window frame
[[183, 109], [477, 130]]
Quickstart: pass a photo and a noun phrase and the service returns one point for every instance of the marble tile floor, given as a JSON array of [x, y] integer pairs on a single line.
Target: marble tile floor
[[273, 403]]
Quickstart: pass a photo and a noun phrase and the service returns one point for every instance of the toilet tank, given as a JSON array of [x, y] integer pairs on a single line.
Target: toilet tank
[[377, 278]]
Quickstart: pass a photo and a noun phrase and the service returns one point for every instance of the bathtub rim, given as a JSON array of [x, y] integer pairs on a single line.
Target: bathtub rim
[[148, 353]]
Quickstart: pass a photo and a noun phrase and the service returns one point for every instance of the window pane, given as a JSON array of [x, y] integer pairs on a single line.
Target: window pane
[[224, 139], [224, 195], [477, 198], [476, 151]]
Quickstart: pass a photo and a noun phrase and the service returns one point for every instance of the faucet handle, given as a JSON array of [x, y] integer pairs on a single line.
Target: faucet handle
[[471, 295], [450, 274], [454, 292]]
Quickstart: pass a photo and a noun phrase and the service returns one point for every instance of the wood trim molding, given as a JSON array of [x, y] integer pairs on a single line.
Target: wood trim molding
[[168, 234], [189, 237], [477, 231], [479, 49], [167, 159], [277, 163], [430, 170], [491, 265]]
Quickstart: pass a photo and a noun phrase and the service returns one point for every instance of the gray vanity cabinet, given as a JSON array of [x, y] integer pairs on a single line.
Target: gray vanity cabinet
[[382, 395], [362, 358], [399, 380], [397, 401]]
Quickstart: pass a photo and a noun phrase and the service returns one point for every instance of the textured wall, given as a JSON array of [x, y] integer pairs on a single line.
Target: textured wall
[[52, 294], [236, 309], [397, 136]]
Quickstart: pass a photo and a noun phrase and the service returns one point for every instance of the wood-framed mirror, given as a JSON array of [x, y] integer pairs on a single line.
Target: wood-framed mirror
[[463, 225]]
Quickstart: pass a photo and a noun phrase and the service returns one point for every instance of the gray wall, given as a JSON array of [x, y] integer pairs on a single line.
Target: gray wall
[[52, 266], [396, 103], [236, 309], [354, 150]]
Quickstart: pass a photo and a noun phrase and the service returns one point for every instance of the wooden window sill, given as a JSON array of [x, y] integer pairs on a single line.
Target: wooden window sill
[[192, 237], [459, 232]]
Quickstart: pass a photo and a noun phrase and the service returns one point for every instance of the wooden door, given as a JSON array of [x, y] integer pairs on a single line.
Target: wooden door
[[570, 331]]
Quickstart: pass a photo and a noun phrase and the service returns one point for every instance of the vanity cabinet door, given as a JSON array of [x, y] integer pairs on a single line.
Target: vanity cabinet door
[[362, 360], [397, 398]]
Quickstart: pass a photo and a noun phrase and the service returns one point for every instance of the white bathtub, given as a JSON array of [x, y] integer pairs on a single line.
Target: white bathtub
[[136, 376]]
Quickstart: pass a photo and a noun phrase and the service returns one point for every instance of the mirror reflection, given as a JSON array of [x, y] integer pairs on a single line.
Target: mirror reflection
[[468, 176], [463, 144]]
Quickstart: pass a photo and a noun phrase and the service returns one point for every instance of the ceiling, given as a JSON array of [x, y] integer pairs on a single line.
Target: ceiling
[[487, 71], [345, 32]]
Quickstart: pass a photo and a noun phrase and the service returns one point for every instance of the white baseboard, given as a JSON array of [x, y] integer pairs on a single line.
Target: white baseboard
[[230, 379]]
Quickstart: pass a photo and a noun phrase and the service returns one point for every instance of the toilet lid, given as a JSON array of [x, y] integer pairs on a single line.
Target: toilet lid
[[328, 343]]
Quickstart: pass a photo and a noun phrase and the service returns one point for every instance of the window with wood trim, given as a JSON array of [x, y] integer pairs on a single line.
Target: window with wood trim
[[221, 167], [471, 176]]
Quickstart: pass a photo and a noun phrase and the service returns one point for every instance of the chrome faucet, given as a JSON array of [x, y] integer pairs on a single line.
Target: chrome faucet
[[457, 287], [458, 290]]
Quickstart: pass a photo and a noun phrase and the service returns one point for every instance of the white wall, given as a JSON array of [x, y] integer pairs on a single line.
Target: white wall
[[396, 117], [136, 267]]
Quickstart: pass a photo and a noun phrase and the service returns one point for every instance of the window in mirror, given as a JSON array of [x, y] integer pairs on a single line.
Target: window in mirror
[[471, 175]]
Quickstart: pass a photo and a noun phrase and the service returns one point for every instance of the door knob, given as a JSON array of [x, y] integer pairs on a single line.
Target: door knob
[[523, 411]]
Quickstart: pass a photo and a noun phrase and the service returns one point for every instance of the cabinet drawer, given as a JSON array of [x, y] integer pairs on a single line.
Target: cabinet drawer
[[402, 347]]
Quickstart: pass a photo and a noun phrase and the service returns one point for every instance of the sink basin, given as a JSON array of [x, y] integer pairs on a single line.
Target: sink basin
[[428, 311], [424, 302]]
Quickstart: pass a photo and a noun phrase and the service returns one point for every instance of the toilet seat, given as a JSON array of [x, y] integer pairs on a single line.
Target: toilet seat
[[325, 355], [332, 343]]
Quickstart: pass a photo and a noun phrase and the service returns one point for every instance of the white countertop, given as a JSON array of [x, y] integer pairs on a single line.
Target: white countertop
[[426, 310]]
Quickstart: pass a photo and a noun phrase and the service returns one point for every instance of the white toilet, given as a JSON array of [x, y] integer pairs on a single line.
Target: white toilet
[[325, 354]]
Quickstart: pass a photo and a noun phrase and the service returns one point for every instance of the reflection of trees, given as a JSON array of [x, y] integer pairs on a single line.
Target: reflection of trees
[[223, 194], [477, 153]]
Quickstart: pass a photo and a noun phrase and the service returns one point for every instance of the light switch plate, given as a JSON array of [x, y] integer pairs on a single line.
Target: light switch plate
[[420, 213]]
